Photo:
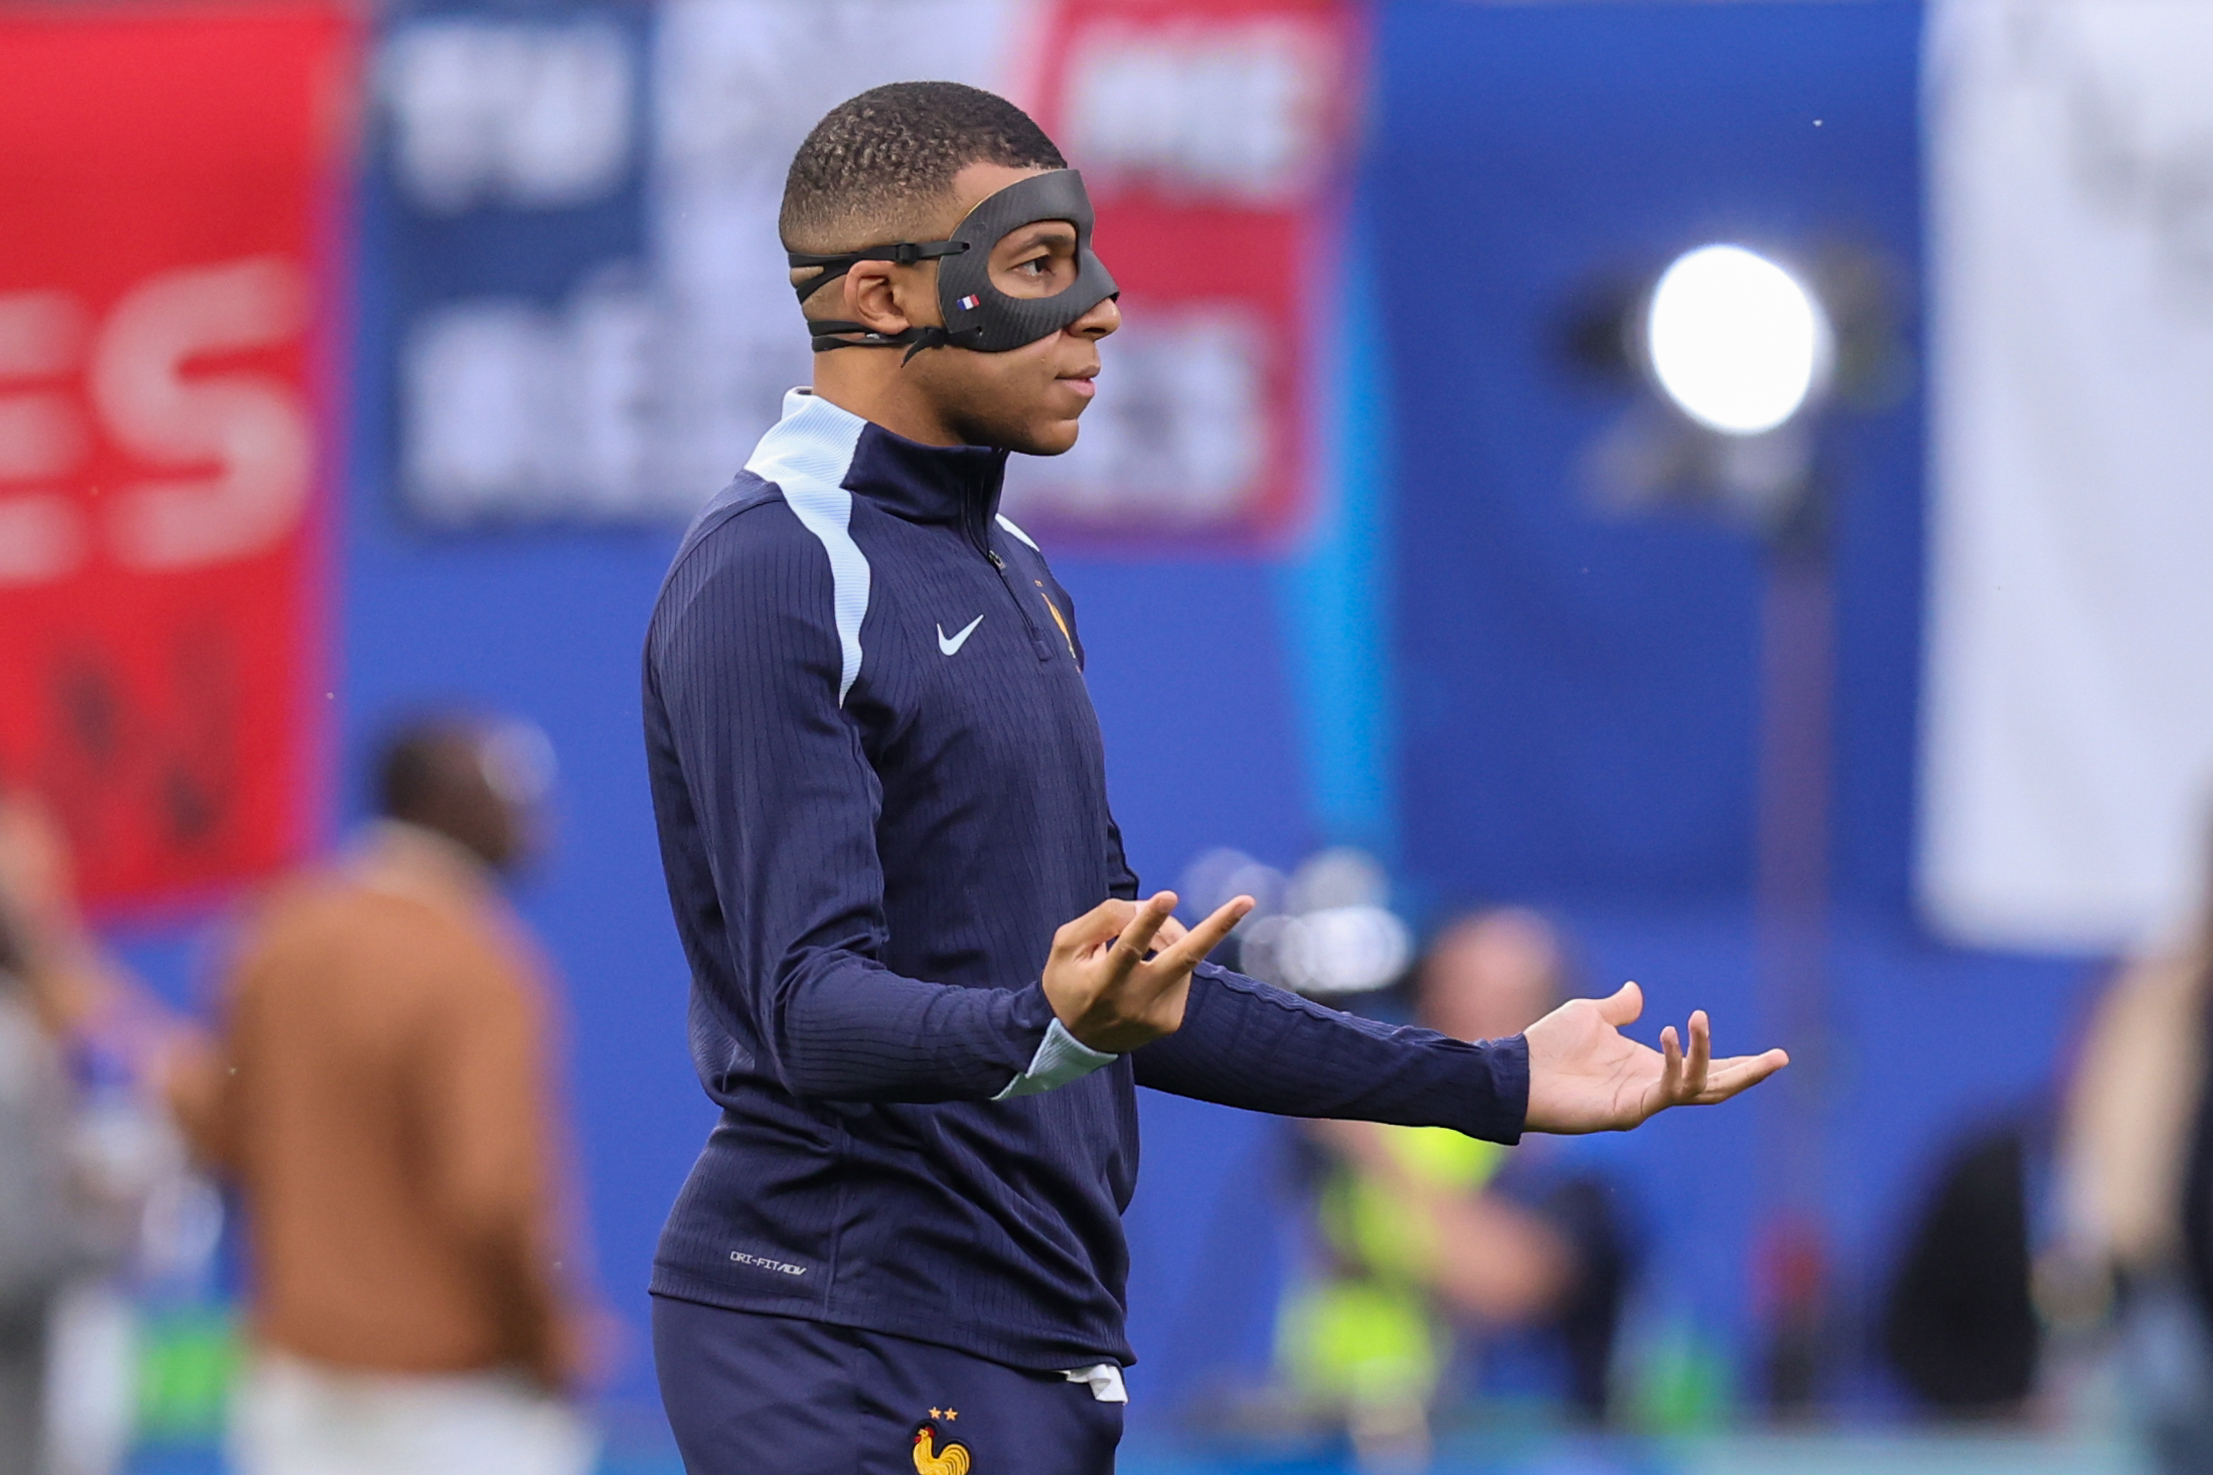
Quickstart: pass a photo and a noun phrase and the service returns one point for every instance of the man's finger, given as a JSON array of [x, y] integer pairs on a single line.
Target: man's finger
[[1098, 925], [1172, 931], [1137, 937], [1626, 1003], [1701, 1054], [1671, 1068], [1740, 1073], [1191, 949]]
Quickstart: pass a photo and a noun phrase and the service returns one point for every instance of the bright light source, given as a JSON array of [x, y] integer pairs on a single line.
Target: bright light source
[[1736, 341]]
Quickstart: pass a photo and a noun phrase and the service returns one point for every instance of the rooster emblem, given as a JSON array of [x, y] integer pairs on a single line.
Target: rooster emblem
[[932, 1458]]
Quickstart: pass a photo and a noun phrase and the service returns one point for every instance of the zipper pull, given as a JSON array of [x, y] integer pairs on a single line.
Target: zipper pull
[[996, 561]]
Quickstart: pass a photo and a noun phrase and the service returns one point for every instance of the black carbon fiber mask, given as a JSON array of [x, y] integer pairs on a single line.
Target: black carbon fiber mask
[[977, 314]]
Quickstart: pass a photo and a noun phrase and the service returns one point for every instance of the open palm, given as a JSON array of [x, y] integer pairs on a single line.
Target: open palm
[[1585, 1075]]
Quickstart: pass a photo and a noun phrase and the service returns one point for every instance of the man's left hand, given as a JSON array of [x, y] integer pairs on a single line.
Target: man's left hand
[[1586, 1076]]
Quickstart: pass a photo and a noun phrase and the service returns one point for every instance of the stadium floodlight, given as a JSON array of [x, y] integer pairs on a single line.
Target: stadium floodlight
[[1737, 343]]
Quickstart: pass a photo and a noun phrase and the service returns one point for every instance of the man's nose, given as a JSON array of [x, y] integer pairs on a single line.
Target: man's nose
[[1098, 322]]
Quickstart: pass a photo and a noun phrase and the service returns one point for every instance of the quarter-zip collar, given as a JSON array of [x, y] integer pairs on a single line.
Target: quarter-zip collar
[[955, 485]]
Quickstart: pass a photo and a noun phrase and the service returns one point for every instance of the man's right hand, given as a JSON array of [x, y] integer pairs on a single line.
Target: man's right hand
[[1107, 992]]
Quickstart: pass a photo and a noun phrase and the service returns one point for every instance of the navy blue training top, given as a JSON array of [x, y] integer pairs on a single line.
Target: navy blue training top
[[880, 789]]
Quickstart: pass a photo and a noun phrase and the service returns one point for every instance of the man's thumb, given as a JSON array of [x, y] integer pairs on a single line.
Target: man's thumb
[[1623, 1006]]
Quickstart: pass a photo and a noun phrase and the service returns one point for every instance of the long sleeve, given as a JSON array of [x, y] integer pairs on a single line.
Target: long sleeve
[[1248, 1044], [768, 818]]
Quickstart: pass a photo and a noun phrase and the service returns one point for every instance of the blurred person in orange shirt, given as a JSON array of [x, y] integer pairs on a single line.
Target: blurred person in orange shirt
[[381, 1086], [1435, 1239]]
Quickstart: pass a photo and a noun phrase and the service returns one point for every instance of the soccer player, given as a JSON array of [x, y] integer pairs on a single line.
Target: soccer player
[[926, 983]]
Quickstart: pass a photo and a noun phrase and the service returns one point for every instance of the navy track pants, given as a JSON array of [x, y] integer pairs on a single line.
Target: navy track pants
[[749, 1394]]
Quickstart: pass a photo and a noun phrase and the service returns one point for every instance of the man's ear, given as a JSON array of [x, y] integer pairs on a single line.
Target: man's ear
[[872, 298]]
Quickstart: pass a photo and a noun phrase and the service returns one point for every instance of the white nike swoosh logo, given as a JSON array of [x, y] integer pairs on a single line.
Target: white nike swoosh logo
[[952, 646]]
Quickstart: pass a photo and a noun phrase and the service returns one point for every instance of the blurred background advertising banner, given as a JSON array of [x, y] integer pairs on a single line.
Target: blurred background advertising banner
[[1213, 136], [2068, 737], [576, 289], [165, 287], [588, 318]]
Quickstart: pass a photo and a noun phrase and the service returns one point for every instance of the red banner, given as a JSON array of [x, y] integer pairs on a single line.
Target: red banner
[[1212, 136], [166, 180]]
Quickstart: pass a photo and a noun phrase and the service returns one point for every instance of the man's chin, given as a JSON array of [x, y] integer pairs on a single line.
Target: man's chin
[[1054, 438]]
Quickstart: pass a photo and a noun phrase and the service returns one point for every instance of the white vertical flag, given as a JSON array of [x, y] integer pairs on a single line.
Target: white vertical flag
[[2067, 762]]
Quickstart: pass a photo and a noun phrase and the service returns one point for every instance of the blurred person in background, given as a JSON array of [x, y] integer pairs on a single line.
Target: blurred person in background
[[1436, 1242], [381, 1086], [88, 1156], [39, 1235], [1959, 1319], [2136, 1188]]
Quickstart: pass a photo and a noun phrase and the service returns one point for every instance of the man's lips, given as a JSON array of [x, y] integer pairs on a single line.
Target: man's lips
[[1081, 382]]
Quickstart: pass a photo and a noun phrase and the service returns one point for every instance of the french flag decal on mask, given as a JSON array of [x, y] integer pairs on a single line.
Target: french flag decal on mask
[[968, 304]]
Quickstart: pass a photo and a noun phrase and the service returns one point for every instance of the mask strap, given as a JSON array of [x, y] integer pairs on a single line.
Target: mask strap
[[837, 264], [914, 340]]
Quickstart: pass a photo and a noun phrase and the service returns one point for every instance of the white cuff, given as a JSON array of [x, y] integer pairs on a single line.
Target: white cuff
[[1060, 1058]]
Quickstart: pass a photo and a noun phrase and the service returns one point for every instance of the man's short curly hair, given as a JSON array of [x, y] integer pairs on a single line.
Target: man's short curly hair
[[878, 159]]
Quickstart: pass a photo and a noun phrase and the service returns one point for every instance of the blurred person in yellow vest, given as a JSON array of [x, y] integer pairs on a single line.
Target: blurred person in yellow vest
[[1429, 1242], [381, 1086]]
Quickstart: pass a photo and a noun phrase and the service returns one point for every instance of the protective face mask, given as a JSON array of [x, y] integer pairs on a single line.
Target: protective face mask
[[977, 314]]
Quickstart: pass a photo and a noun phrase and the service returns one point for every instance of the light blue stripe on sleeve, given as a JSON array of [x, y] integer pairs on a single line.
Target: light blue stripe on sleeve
[[806, 454]]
